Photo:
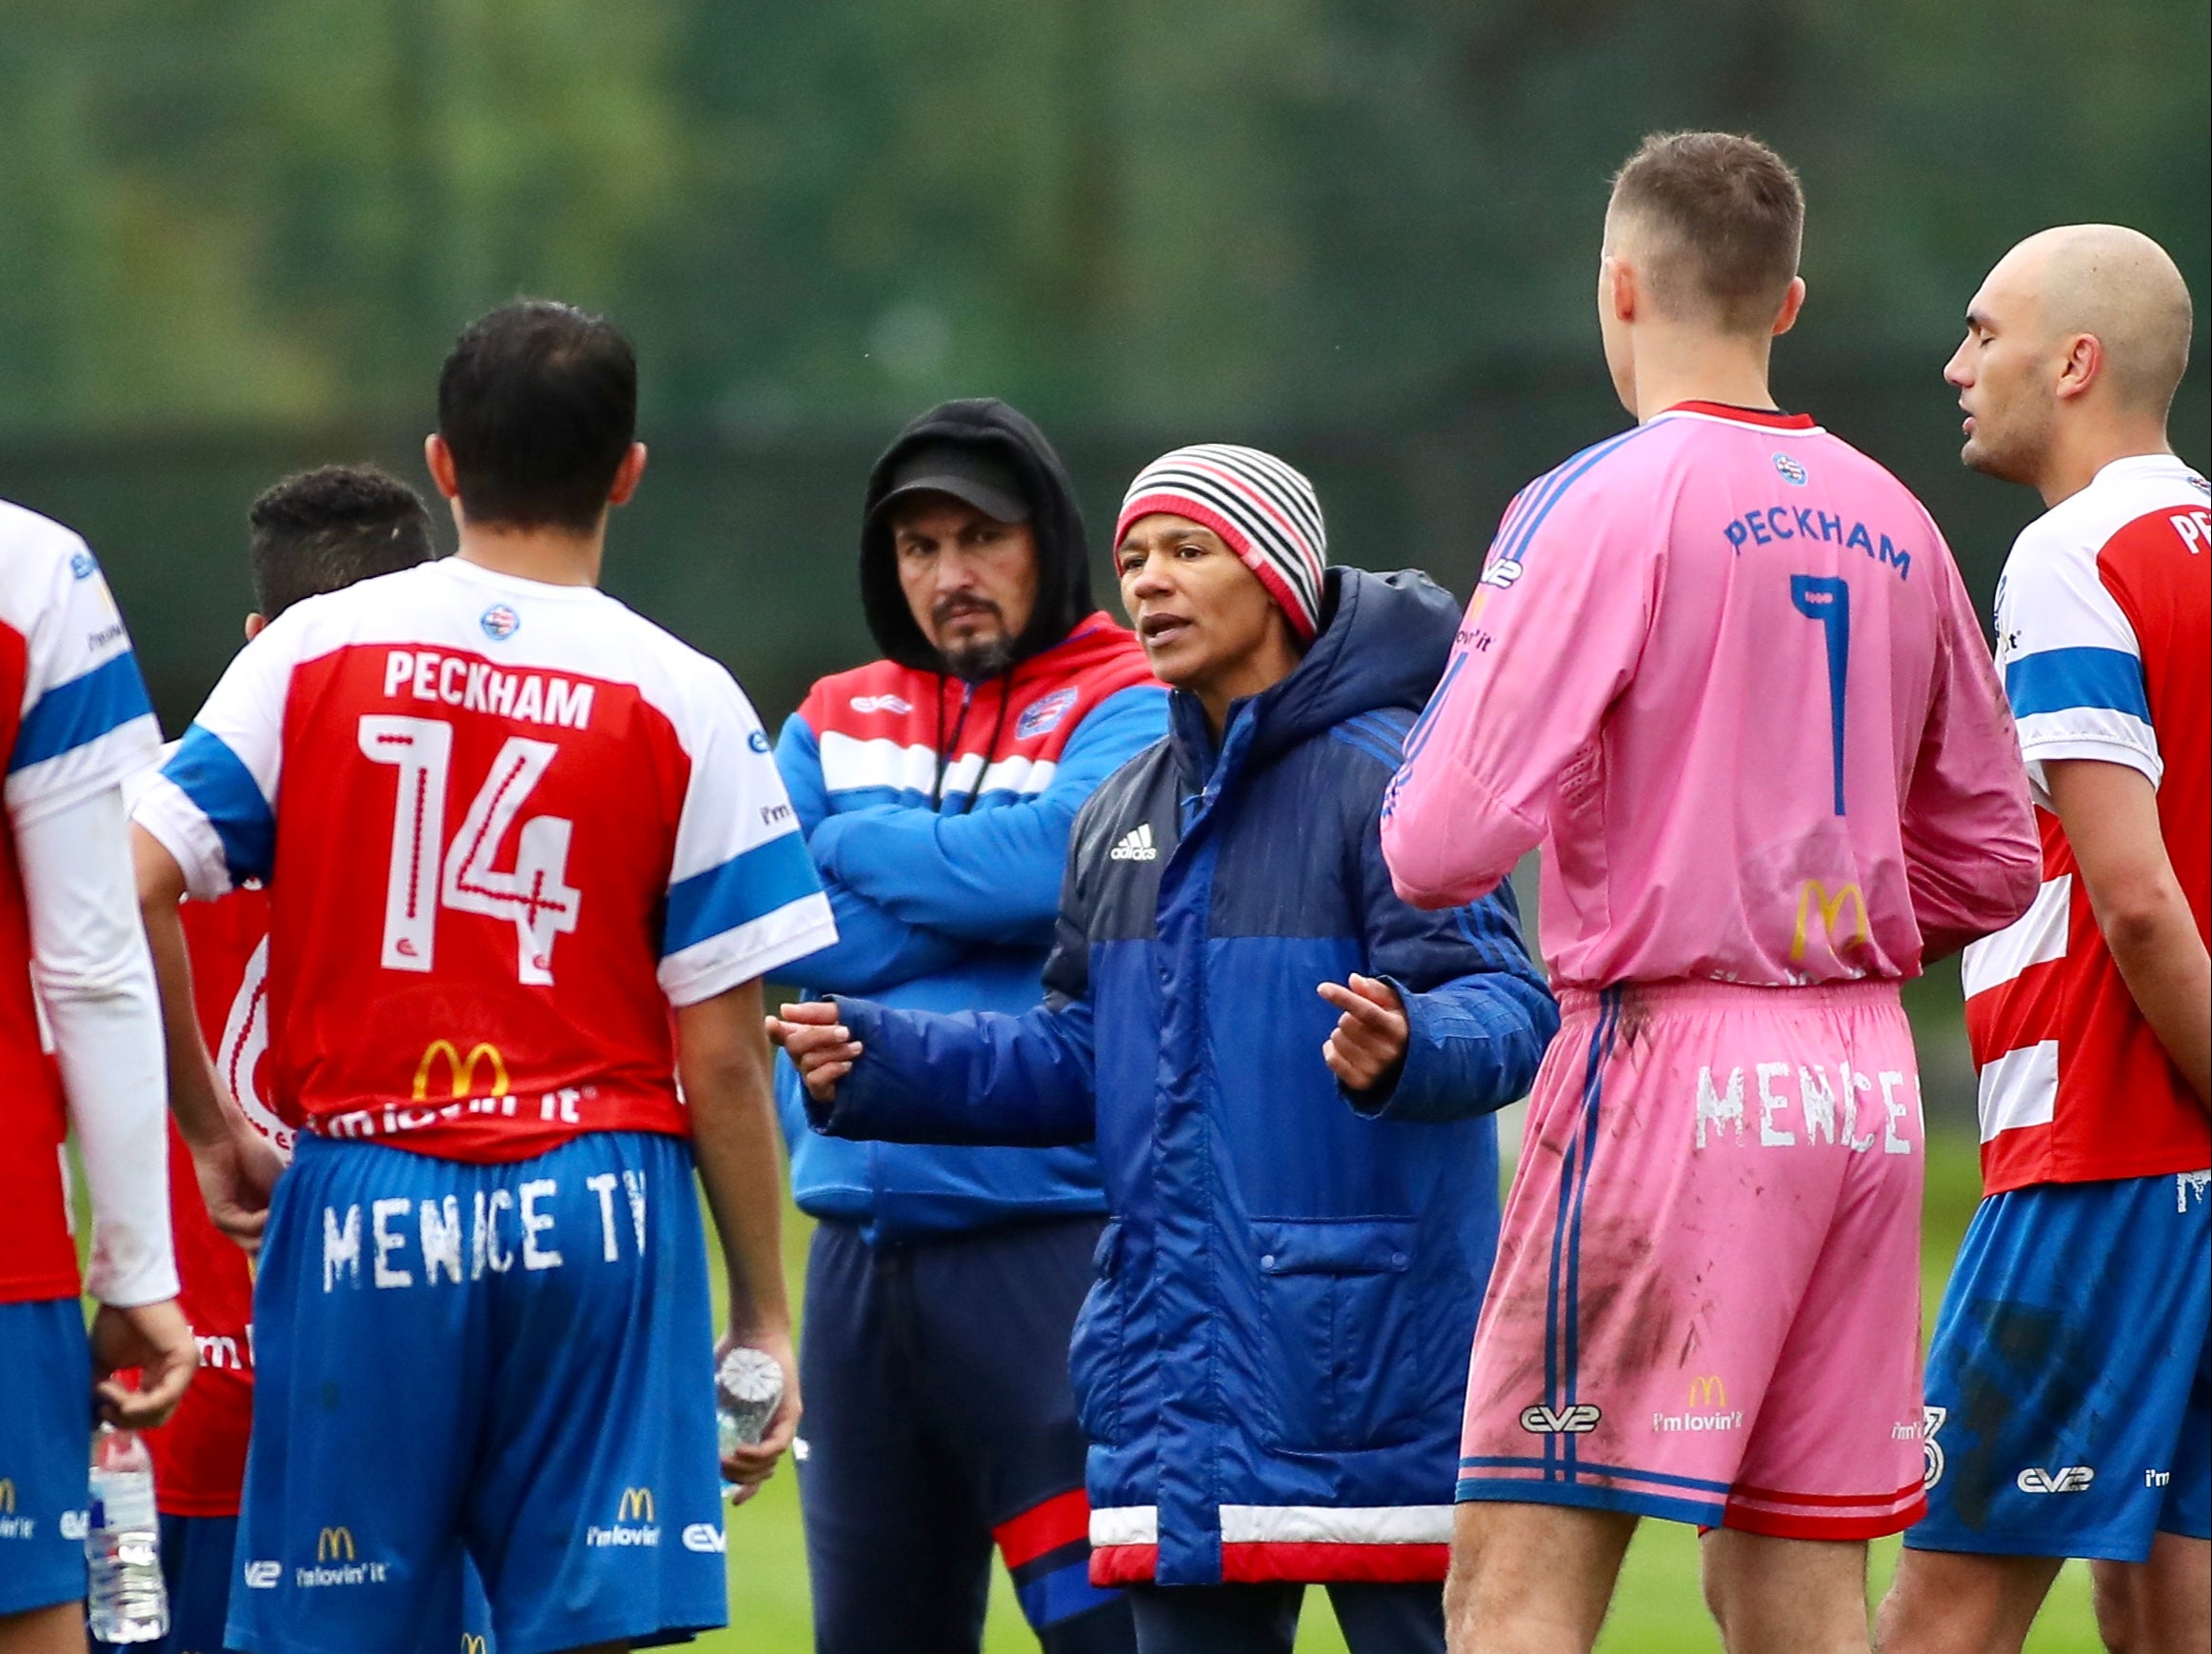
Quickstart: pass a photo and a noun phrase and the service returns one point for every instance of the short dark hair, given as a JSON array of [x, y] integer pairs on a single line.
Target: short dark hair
[[322, 531], [1731, 215], [538, 403]]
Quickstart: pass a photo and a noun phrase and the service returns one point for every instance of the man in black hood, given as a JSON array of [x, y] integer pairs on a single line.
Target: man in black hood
[[937, 787]]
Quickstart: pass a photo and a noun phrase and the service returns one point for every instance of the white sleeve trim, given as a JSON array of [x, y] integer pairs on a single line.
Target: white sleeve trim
[[125, 751], [2149, 766], [753, 949], [182, 829]]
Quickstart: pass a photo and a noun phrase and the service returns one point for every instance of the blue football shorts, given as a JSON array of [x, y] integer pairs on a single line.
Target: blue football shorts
[[2069, 1384], [515, 1356], [46, 1436], [197, 1564]]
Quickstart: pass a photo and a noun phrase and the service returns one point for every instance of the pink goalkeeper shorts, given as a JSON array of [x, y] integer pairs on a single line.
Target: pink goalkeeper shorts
[[1706, 1302]]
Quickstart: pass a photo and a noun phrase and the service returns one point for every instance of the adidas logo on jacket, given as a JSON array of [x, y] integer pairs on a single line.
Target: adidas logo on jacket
[[1136, 846]]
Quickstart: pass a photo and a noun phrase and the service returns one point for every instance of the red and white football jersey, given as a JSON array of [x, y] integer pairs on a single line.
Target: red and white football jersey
[[505, 825], [73, 719], [2104, 638], [199, 1456]]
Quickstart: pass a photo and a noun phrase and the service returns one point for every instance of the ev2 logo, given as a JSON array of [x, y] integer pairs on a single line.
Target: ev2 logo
[[1579, 1420], [2070, 1478]]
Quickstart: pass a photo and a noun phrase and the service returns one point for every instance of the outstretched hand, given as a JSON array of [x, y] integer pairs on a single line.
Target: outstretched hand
[[1369, 1038], [818, 1045]]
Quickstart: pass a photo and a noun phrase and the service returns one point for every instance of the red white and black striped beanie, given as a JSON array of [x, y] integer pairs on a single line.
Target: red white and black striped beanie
[[1263, 510]]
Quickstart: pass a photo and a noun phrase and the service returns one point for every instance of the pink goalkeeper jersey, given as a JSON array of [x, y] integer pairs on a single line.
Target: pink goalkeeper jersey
[[1722, 668]]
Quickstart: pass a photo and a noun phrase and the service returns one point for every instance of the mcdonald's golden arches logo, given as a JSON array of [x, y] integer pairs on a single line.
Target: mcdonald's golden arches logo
[[637, 1504], [7, 1496], [461, 1069], [1812, 897], [334, 1544], [1708, 1391], [472, 1644]]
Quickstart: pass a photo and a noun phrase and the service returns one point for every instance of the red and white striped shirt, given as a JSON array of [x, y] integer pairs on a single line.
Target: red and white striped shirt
[[2104, 637]]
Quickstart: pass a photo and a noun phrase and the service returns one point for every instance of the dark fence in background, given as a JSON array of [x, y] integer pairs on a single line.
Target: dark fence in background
[[743, 541]]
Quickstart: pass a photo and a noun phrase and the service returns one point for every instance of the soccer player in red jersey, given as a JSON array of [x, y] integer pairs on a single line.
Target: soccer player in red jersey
[[318, 531], [506, 824], [2069, 1384], [80, 1047]]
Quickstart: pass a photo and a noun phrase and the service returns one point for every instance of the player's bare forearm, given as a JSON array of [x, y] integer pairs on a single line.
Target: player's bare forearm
[[722, 1053], [196, 1099], [2169, 974], [2110, 815], [723, 1056], [237, 1167]]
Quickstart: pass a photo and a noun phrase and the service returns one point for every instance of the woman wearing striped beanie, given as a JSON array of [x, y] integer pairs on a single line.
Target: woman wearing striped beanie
[[1262, 511]]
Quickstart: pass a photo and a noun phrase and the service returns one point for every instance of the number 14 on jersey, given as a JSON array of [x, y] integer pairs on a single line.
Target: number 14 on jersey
[[427, 872]]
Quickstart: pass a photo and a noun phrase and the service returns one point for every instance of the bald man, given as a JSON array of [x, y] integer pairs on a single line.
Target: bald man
[[2067, 1408]]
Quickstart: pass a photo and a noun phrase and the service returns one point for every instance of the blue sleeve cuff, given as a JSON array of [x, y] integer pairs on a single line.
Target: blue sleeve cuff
[[222, 789], [1472, 1046], [972, 1078]]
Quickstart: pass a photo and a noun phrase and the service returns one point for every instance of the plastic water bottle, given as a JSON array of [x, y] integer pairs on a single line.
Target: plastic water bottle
[[126, 1600], [748, 1387]]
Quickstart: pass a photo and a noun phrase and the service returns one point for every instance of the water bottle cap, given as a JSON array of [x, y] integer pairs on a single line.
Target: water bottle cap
[[750, 1376]]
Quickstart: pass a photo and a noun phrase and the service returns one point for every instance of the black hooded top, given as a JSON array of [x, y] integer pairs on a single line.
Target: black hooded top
[[1064, 594]]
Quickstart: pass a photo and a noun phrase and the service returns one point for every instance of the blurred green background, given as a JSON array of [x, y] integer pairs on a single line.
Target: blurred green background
[[240, 234], [236, 237]]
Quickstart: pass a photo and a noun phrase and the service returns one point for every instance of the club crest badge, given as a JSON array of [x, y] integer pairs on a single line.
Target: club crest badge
[[1042, 716], [500, 622]]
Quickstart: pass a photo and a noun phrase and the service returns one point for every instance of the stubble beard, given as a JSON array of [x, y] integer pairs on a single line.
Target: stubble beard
[[2014, 454], [2009, 463]]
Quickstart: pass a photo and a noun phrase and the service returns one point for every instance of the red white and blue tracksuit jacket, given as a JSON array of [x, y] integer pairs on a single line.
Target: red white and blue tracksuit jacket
[[937, 812]]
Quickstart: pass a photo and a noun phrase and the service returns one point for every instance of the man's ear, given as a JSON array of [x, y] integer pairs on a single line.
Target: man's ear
[[438, 458], [257, 624], [626, 475], [2079, 366], [1792, 305], [1620, 287]]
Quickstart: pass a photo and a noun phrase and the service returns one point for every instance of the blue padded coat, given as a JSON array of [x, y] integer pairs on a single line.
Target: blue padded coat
[[1271, 1365]]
